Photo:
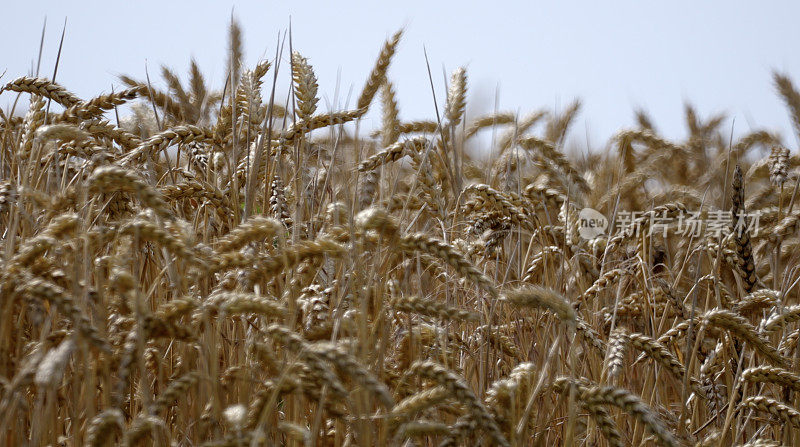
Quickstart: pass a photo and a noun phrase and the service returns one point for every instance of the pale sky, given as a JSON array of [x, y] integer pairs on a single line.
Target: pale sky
[[614, 55]]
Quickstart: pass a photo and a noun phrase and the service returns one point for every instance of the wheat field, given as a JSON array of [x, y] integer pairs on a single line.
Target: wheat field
[[226, 267]]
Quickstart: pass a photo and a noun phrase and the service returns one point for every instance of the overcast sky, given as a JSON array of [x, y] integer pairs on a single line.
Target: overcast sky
[[615, 56]]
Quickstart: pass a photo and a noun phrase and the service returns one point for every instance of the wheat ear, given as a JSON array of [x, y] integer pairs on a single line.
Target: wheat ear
[[783, 412], [42, 87], [378, 74], [459, 389]]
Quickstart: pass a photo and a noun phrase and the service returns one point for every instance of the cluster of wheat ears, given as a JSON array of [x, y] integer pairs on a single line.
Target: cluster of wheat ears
[[230, 268]]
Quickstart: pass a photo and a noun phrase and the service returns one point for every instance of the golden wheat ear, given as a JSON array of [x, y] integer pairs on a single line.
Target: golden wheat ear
[[305, 86], [378, 73]]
